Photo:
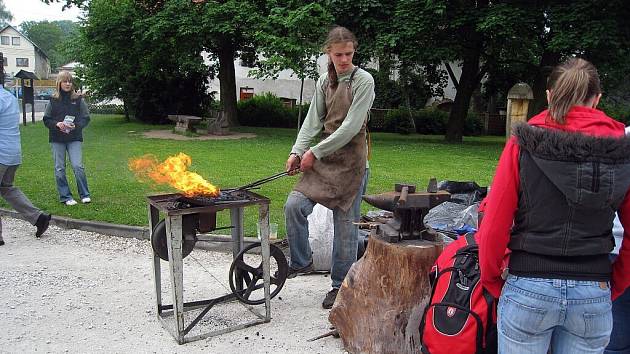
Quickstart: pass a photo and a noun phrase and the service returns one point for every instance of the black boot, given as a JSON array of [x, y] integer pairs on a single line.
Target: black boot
[[42, 224]]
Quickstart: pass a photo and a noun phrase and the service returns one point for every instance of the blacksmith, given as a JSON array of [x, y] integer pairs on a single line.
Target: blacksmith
[[334, 170]]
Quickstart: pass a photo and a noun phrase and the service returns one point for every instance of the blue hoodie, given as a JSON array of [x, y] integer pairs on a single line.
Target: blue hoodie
[[10, 148]]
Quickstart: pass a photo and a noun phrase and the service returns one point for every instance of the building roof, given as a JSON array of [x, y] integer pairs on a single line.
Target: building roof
[[30, 41]]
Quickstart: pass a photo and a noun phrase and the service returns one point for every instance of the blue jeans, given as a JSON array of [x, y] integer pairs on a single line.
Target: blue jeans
[[570, 315], [346, 235], [620, 336], [76, 160]]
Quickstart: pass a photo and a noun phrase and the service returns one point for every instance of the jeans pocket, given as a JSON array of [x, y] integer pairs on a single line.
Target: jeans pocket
[[519, 321], [598, 324]]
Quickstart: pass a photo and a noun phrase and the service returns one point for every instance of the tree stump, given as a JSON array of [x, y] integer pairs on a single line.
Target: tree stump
[[380, 303]]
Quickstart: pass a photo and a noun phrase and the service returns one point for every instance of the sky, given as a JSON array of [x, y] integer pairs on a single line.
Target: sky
[[35, 10]]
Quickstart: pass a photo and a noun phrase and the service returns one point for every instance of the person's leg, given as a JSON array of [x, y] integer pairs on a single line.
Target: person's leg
[[296, 211], [588, 321], [59, 158], [528, 312], [357, 202], [75, 154], [14, 196], [620, 336], [346, 238]]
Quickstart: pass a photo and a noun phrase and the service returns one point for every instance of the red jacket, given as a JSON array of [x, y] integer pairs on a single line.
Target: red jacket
[[501, 203]]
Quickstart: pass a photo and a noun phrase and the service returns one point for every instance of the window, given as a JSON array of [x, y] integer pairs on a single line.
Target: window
[[21, 61], [4, 40], [15, 40]]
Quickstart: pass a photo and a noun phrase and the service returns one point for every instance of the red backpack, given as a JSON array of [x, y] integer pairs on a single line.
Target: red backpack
[[461, 316]]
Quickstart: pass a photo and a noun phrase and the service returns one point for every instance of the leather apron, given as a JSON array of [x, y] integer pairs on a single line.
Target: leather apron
[[335, 179]]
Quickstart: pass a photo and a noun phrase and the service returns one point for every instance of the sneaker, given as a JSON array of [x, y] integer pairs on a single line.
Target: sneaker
[[1, 243], [330, 298], [300, 271], [70, 202], [42, 223], [86, 200]]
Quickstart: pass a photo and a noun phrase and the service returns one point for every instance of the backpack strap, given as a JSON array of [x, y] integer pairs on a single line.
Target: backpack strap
[[470, 238]]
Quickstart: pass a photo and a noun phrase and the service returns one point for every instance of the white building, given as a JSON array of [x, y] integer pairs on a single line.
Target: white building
[[287, 85], [21, 54]]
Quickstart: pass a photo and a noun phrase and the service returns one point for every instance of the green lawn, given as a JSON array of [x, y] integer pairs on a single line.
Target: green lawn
[[119, 198]]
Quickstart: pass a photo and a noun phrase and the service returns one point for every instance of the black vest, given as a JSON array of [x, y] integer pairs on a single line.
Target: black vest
[[60, 108], [571, 185]]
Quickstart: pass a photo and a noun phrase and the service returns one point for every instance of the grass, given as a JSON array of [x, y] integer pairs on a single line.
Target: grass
[[109, 142]]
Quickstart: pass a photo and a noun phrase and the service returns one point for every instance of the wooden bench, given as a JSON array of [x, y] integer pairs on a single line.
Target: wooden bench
[[184, 123], [218, 123]]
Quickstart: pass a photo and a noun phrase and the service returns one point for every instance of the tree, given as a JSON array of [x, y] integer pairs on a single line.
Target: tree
[[128, 55], [292, 40], [52, 38], [5, 15]]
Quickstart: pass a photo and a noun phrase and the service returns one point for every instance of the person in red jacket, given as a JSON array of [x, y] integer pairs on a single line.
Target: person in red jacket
[[559, 181]]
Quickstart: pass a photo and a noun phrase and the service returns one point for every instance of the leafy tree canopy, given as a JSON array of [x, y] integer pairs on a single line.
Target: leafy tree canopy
[[5, 15], [52, 38]]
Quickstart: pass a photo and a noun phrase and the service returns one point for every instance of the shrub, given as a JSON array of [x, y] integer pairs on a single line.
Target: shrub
[[430, 121], [398, 121], [266, 110], [617, 111]]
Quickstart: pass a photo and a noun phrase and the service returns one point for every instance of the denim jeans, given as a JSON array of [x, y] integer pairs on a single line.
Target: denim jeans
[[73, 149], [345, 240], [570, 315], [620, 336]]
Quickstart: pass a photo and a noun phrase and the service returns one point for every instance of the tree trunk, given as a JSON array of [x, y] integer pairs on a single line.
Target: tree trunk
[[468, 81], [227, 81], [381, 301], [547, 61], [126, 109]]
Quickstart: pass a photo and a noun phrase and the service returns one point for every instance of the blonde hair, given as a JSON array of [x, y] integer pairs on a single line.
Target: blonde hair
[[571, 83], [337, 34], [64, 76]]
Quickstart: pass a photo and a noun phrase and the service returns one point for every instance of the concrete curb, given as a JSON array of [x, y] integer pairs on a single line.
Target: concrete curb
[[221, 243]]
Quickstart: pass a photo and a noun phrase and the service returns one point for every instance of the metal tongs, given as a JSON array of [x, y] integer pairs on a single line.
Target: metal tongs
[[261, 181]]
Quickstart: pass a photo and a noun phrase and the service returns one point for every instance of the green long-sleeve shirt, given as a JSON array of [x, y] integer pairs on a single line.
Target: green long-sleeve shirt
[[363, 97]]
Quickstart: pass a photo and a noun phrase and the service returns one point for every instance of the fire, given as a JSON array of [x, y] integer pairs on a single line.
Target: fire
[[174, 172]]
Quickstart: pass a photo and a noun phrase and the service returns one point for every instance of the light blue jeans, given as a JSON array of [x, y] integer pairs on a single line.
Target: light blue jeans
[[74, 150], [570, 315], [345, 240]]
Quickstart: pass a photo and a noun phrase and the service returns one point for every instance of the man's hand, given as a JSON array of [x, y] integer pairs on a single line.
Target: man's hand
[[308, 159], [292, 165]]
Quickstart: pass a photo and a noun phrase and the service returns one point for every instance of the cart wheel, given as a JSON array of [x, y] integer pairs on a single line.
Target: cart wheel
[[158, 240], [246, 274]]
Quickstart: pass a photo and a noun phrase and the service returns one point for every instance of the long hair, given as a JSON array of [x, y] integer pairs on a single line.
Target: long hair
[[62, 77], [571, 83], [337, 34]]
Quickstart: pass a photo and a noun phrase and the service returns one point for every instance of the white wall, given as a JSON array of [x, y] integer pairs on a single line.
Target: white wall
[[37, 63], [287, 84]]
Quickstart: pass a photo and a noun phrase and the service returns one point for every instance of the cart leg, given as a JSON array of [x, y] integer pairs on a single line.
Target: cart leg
[[174, 245], [263, 221], [157, 273]]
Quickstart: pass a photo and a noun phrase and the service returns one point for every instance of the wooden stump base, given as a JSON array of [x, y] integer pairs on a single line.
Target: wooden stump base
[[381, 301]]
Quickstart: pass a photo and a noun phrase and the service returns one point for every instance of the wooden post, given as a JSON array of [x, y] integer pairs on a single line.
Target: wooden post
[[517, 105]]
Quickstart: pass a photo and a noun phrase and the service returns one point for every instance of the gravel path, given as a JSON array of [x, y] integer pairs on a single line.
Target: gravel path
[[81, 292]]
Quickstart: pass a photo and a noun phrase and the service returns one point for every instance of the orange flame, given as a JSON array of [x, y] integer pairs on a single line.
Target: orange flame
[[174, 172]]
